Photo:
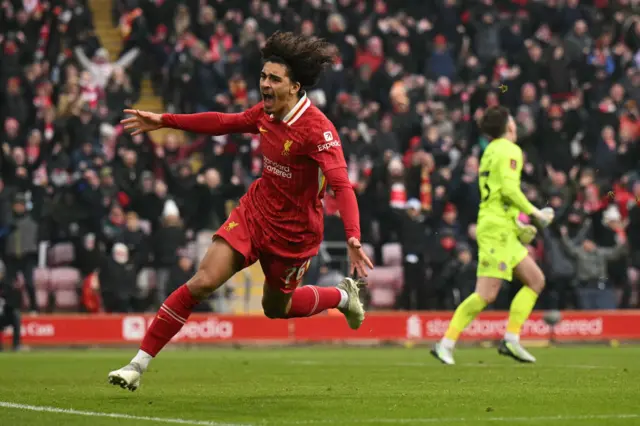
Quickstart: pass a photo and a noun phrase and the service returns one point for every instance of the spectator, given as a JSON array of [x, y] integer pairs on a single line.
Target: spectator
[[412, 235], [594, 290], [117, 278], [166, 242], [21, 249], [9, 310]]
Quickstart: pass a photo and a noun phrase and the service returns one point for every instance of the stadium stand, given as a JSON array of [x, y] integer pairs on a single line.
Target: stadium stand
[[410, 81]]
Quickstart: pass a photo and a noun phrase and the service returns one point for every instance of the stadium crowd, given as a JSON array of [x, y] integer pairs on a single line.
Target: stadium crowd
[[409, 83]]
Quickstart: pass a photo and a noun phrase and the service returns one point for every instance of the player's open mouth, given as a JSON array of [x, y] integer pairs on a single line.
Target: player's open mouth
[[268, 99]]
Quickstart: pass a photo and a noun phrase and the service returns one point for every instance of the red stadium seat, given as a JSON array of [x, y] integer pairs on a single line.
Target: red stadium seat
[[66, 300], [392, 254], [41, 279], [61, 254], [65, 279], [368, 250], [385, 283], [382, 298]]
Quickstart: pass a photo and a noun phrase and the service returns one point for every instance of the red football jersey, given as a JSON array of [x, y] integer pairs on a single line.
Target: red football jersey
[[297, 151]]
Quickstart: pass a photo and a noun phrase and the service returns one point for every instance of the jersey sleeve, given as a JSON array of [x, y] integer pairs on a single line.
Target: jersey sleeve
[[510, 168], [325, 148], [216, 123]]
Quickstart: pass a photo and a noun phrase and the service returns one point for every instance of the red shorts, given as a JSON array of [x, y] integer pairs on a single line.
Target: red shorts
[[246, 236]]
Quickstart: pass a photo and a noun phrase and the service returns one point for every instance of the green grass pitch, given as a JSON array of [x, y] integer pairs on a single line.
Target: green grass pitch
[[569, 386]]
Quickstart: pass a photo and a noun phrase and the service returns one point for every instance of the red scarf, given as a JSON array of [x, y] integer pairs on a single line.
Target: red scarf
[[425, 189], [398, 195]]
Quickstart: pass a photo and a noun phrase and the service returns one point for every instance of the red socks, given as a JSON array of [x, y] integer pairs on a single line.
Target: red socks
[[174, 312], [310, 300], [170, 318]]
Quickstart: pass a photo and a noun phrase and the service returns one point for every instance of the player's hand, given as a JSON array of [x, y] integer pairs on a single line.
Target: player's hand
[[141, 122], [544, 217], [358, 258], [526, 232]]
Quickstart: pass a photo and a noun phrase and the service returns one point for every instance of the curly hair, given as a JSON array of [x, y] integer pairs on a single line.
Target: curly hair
[[304, 57]]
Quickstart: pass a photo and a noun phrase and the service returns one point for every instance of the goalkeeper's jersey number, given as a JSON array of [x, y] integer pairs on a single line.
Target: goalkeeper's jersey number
[[484, 185]]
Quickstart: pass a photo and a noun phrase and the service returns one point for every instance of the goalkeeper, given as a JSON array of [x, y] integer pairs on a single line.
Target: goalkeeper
[[501, 235]]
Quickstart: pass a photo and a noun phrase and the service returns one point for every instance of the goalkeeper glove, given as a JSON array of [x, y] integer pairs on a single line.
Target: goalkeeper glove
[[543, 217], [526, 233]]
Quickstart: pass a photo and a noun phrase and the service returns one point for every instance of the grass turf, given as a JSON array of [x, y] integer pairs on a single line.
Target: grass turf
[[569, 386]]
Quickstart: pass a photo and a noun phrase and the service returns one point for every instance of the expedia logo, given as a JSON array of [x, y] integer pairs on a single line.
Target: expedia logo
[[329, 145]]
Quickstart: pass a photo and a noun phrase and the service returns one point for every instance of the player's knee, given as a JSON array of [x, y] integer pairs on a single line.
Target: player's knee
[[489, 296], [538, 283], [203, 283], [273, 310]]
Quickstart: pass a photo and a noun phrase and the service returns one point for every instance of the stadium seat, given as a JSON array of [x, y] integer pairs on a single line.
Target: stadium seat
[[66, 300], [41, 279], [392, 254], [385, 283], [382, 298], [65, 279], [369, 250], [61, 254]]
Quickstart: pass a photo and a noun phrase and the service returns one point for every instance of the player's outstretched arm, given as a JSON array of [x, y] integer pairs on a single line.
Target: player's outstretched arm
[[211, 123], [348, 207]]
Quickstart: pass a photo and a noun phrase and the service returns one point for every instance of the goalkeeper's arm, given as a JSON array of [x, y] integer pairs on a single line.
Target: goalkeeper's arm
[[511, 190]]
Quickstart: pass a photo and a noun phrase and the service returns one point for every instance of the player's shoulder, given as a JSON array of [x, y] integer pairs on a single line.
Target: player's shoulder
[[314, 120], [505, 147], [317, 127]]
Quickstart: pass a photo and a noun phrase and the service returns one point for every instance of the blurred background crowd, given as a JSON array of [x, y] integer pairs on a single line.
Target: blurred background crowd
[[92, 219]]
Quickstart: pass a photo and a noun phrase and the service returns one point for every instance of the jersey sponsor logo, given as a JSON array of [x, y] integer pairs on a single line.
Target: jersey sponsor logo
[[263, 130], [514, 164], [286, 149], [277, 168], [328, 136], [328, 145], [231, 225]]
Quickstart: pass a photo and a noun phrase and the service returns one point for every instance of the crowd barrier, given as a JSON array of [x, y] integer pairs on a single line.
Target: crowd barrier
[[106, 329]]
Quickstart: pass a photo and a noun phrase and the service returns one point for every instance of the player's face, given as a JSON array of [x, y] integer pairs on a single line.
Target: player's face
[[276, 88]]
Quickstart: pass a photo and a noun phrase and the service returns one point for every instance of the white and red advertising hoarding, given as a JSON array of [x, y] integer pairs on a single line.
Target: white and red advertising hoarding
[[83, 330]]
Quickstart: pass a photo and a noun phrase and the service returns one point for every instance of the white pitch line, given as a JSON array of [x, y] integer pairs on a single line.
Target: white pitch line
[[39, 408], [471, 420], [70, 411]]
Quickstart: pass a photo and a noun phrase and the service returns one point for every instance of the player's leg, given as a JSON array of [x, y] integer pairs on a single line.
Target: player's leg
[[486, 291], [219, 264], [283, 299], [532, 278], [230, 251], [494, 258]]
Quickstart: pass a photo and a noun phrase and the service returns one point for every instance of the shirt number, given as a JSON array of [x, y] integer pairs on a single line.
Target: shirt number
[[484, 176], [298, 272]]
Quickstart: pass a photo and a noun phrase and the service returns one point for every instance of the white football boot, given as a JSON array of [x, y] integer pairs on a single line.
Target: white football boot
[[354, 311], [443, 354], [127, 377]]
